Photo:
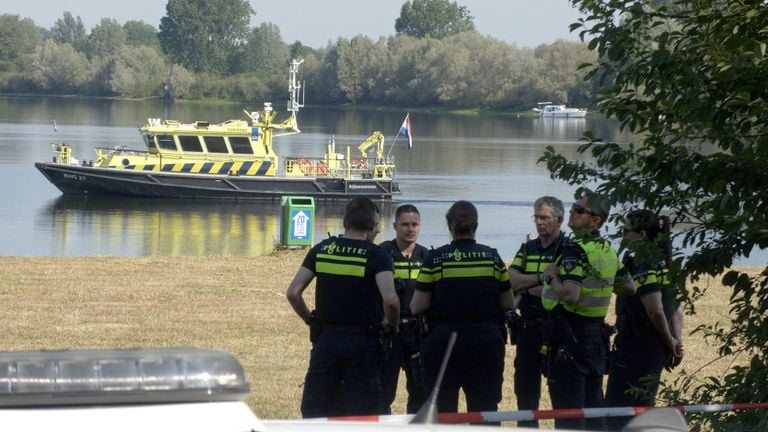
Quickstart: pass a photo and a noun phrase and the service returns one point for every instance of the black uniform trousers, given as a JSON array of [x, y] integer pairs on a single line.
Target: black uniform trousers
[[404, 354], [476, 365], [344, 375], [634, 376], [528, 368], [575, 375]]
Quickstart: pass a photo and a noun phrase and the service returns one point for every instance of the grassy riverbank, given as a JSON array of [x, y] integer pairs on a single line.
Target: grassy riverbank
[[236, 304]]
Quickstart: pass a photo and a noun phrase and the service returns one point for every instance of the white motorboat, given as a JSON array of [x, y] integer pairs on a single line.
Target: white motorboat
[[548, 109]]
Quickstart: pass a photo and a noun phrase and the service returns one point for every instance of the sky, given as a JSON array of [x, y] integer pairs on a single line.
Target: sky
[[525, 23]]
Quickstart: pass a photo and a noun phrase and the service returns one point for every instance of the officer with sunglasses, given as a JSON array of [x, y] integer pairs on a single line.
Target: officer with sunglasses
[[577, 293]]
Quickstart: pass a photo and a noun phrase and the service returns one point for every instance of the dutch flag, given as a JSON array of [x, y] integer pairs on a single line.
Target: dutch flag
[[405, 130]]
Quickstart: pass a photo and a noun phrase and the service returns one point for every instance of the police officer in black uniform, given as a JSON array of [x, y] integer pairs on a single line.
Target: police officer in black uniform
[[526, 278], [648, 323], [354, 289], [404, 353], [463, 287]]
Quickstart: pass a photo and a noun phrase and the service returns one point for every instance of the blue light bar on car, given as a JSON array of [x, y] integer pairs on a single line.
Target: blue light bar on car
[[96, 377]]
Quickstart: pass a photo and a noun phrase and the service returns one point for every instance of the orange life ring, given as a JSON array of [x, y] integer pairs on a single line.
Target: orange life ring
[[322, 168], [306, 166]]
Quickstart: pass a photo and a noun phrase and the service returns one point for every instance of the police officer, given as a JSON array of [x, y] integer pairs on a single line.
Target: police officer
[[526, 277], [404, 353], [648, 330], [463, 287], [354, 285], [577, 294]]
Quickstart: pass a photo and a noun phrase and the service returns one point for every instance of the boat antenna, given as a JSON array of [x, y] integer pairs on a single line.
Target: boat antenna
[[294, 87], [427, 414], [55, 128]]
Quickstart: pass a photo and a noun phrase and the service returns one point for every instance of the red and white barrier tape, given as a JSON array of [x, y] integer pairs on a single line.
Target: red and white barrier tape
[[567, 413]]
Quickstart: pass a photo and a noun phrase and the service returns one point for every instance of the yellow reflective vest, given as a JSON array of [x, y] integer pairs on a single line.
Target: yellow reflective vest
[[593, 264]]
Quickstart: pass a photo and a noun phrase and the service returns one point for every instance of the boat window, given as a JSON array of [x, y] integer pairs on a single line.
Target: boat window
[[149, 140], [190, 143], [240, 145], [166, 142], [215, 144]]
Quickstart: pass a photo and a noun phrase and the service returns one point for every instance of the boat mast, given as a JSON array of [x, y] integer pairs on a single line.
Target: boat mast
[[294, 86]]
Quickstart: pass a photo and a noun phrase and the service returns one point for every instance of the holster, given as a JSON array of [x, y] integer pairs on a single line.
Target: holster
[[512, 320], [315, 327], [385, 341], [559, 338], [411, 333], [547, 336]]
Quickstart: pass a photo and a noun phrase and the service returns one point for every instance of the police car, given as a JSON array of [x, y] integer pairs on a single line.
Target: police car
[[190, 390]]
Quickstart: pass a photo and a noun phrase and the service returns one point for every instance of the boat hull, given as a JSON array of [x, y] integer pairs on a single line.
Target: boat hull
[[85, 180], [561, 114]]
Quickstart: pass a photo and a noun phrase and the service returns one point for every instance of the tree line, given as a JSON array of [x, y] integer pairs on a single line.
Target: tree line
[[207, 49]]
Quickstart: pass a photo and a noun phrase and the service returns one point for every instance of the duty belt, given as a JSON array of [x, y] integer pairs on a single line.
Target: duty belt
[[351, 328], [436, 322], [529, 324], [588, 329]]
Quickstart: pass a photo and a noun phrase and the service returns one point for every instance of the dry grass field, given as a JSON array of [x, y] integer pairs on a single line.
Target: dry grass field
[[235, 304]]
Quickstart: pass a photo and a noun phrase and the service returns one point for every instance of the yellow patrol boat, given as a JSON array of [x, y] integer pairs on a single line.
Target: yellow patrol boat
[[232, 160]]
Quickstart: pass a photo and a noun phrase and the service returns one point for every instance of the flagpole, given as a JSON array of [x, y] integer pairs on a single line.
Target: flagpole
[[391, 146]]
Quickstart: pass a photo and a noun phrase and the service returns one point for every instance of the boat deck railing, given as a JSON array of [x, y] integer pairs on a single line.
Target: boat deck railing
[[122, 150], [354, 168]]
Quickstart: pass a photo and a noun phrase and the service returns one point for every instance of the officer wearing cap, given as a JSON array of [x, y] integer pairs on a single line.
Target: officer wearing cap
[[404, 353], [577, 294], [463, 287], [354, 289], [526, 277]]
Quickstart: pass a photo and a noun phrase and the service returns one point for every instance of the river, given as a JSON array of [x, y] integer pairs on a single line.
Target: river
[[490, 160]]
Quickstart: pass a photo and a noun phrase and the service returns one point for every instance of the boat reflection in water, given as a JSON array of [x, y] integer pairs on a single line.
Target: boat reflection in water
[[84, 226], [555, 126]]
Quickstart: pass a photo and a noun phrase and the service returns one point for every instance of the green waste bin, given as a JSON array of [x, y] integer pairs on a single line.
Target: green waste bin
[[298, 222]]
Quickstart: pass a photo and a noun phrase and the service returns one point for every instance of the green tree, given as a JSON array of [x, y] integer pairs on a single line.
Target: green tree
[[180, 83], [18, 39], [139, 33], [298, 50], [69, 30], [359, 64], [559, 77], [202, 34], [105, 40], [433, 18], [265, 53], [691, 85], [470, 70], [409, 76], [58, 68], [139, 72]]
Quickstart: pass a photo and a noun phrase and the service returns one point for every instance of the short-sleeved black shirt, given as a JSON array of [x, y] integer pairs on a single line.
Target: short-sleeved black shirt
[[650, 276], [346, 290], [533, 258], [465, 279]]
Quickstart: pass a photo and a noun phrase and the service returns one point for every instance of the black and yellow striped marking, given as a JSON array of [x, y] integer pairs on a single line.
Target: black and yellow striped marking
[[247, 168]]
